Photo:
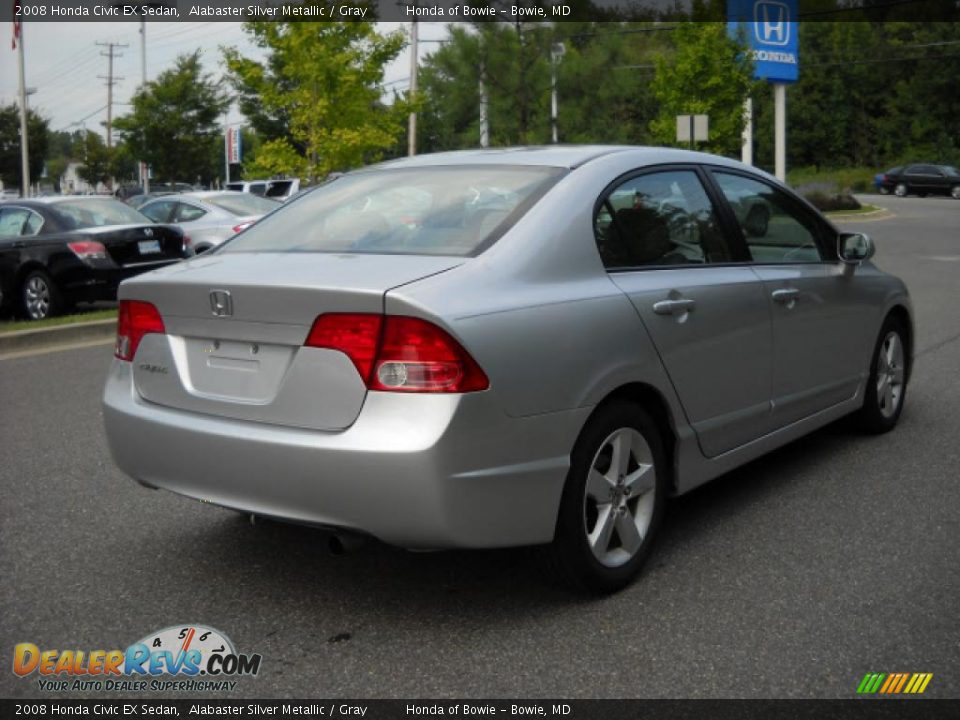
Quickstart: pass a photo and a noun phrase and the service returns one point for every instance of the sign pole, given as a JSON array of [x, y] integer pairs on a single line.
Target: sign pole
[[746, 151], [226, 152], [780, 130], [24, 140]]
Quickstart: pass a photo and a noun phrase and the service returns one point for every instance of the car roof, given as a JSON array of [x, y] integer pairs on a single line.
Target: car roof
[[563, 156]]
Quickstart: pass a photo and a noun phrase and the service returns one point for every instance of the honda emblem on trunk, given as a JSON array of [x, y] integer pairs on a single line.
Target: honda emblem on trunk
[[220, 303], [148, 232]]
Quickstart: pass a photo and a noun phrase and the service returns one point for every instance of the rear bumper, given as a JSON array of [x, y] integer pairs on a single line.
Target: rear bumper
[[419, 471]]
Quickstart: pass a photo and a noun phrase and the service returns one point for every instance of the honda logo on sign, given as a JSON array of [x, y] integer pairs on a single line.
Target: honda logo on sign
[[220, 303], [771, 23]]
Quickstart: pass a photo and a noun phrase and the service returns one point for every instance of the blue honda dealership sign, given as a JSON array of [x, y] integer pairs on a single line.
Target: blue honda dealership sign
[[770, 30]]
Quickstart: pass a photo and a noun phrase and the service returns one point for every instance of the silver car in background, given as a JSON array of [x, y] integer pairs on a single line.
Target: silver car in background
[[208, 218], [502, 348]]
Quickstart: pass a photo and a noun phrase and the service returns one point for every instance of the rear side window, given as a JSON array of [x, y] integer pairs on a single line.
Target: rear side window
[[158, 211], [656, 219], [188, 213], [774, 228], [924, 170], [456, 210]]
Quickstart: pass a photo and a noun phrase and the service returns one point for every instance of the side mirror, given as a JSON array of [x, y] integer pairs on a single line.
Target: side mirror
[[855, 248]]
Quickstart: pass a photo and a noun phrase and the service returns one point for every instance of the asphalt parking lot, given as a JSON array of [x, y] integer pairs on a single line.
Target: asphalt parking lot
[[792, 577]]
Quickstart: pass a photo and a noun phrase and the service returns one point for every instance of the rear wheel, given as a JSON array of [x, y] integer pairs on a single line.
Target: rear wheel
[[955, 192], [40, 297], [900, 190], [612, 502], [887, 385]]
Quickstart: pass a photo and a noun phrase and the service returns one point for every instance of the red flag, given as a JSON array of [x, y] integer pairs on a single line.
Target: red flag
[[16, 23]]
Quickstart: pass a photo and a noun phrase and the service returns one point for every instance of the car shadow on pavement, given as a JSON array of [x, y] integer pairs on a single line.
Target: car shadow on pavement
[[294, 563]]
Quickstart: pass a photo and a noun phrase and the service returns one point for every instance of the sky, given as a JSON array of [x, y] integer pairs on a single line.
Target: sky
[[63, 62]]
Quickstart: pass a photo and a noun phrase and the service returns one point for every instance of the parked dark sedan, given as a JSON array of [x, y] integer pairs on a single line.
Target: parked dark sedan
[[58, 251], [921, 180]]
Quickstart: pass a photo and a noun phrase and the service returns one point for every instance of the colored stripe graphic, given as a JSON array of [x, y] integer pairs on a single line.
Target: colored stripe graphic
[[894, 683]]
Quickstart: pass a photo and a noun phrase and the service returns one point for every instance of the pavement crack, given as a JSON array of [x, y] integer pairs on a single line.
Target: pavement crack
[[937, 346]]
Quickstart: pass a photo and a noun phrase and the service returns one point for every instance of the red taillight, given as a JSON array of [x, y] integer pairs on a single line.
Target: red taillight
[[134, 320], [399, 354], [356, 335], [88, 250], [242, 226]]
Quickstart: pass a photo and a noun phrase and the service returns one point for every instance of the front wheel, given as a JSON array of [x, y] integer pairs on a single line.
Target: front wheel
[[612, 502], [887, 384]]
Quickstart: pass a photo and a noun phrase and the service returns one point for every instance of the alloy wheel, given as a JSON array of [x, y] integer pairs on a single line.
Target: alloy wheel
[[36, 297], [619, 499], [890, 374]]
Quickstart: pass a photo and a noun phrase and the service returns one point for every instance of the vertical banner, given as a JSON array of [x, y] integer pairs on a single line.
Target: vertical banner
[[234, 150]]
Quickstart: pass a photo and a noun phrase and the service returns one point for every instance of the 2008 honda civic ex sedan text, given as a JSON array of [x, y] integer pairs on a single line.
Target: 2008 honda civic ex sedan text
[[533, 346]]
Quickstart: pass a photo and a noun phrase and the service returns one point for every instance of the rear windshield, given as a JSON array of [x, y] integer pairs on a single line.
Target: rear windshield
[[241, 204], [279, 188], [453, 210], [76, 214]]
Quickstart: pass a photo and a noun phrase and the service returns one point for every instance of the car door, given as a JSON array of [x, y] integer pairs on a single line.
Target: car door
[[704, 308], [923, 179], [816, 309]]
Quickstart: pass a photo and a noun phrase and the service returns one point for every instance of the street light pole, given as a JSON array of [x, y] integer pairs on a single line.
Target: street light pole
[[412, 128], [556, 52]]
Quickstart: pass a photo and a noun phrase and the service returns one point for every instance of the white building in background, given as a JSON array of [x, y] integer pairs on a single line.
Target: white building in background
[[72, 184]]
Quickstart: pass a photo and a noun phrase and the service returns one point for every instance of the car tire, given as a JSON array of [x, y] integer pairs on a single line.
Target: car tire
[[613, 501], [955, 192], [40, 297], [884, 190], [887, 384], [900, 190]]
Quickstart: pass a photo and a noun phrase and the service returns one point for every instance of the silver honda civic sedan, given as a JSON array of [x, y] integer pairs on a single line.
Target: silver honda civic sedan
[[530, 346]]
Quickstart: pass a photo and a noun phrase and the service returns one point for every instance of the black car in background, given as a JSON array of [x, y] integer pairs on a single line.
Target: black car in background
[[61, 250], [922, 180]]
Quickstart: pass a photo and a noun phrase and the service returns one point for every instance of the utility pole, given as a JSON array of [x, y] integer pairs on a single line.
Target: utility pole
[[412, 129], [111, 81], [556, 52]]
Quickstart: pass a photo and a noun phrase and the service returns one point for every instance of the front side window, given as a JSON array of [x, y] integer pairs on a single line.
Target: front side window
[[455, 210], [657, 219], [775, 230]]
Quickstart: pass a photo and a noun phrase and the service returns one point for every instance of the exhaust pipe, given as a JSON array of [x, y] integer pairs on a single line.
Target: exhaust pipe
[[341, 543]]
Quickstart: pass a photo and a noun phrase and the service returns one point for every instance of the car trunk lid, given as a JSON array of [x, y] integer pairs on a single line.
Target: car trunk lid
[[235, 327]]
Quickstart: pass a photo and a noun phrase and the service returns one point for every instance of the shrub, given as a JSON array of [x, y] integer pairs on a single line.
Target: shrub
[[827, 202]]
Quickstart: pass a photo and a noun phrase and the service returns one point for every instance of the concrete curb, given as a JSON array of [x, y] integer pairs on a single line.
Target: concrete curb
[[881, 213], [86, 332]]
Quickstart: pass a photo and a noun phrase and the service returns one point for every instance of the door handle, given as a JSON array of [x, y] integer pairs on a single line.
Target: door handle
[[674, 307], [785, 296], [19, 244]]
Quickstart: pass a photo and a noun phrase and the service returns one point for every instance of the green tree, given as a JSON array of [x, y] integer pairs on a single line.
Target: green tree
[[323, 82], [96, 159], [175, 123], [708, 73], [37, 130]]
